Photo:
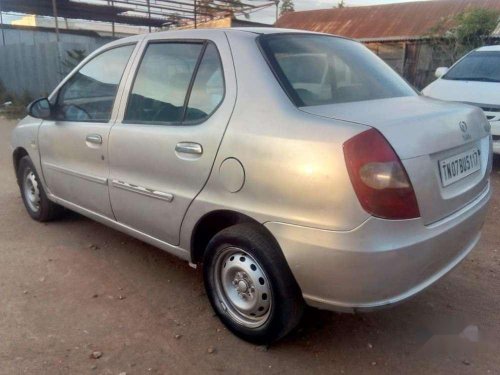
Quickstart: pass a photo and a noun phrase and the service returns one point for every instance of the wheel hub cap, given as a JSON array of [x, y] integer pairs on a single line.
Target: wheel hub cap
[[242, 287], [31, 191]]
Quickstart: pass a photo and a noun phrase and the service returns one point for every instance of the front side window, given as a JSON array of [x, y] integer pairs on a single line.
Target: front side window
[[318, 69], [162, 83], [481, 66], [164, 91], [89, 94]]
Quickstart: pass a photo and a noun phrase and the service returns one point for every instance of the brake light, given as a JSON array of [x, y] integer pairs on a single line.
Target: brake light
[[379, 178]]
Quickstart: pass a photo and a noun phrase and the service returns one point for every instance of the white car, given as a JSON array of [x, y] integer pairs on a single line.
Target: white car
[[474, 79]]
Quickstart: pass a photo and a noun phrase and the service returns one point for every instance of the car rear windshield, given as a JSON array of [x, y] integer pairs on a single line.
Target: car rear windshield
[[321, 69], [477, 66]]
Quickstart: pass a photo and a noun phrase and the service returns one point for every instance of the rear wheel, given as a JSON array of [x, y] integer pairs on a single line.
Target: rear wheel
[[39, 207], [250, 285]]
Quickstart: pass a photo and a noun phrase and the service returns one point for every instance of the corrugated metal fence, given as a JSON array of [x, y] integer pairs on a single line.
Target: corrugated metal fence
[[31, 62]]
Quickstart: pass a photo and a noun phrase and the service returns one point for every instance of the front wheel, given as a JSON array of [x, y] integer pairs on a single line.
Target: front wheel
[[39, 207], [250, 285]]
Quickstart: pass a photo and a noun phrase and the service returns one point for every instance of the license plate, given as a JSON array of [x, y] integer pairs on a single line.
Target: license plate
[[459, 166]]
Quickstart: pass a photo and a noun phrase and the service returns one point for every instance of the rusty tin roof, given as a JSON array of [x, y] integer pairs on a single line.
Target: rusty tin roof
[[400, 21]]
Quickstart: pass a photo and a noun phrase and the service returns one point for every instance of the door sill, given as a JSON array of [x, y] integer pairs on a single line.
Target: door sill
[[172, 249]]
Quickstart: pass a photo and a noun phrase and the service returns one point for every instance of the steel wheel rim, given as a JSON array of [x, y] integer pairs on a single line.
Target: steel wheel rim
[[242, 287], [31, 191]]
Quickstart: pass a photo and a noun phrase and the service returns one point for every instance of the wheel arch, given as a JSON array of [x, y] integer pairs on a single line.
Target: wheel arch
[[212, 223], [17, 155]]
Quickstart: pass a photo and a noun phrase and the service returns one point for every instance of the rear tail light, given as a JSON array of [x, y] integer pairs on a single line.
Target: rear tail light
[[379, 178]]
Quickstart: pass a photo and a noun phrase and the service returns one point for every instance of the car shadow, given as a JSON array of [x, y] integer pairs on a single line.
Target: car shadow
[[402, 328]]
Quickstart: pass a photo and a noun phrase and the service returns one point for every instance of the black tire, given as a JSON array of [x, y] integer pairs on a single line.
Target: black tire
[[45, 209], [286, 303]]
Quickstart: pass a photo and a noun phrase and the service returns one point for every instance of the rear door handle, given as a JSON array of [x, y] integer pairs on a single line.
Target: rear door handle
[[94, 138], [189, 148]]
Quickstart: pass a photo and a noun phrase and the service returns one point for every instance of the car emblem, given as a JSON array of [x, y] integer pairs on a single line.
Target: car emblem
[[463, 126]]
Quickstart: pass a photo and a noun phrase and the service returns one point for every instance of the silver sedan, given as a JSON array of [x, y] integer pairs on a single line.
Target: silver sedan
[[296, 167]]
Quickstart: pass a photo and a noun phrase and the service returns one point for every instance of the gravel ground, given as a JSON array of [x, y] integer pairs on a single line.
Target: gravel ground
[[74, 289]]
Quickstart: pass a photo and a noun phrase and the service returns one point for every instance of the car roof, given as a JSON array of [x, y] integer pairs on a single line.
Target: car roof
[[269, 30], [488, 48], [202, 33], [190, 33]]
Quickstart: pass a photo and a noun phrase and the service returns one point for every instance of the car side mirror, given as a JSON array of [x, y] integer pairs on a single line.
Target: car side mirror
[[40, 108], [441, 71]]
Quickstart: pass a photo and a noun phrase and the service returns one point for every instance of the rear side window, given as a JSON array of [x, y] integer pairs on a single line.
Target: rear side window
[[208, 87], [320, 69], [88, 96], [176, 83]]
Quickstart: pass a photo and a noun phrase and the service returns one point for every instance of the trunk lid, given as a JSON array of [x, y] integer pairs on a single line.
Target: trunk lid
[[424, 133]]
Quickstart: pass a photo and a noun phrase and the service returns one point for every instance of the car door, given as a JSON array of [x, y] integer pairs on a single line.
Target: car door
[[163, 150], [74, 144]]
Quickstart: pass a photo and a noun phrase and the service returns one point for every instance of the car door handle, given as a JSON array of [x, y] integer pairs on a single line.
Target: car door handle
[[189, 148], [94, 138]]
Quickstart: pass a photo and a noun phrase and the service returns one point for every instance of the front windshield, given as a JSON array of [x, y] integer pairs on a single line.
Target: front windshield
[[320, 69], [477, 66]]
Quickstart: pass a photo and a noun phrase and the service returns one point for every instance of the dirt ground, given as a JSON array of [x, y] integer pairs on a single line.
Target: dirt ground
[[73, 287]]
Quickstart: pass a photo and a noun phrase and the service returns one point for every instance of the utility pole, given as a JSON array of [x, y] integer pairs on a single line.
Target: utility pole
[[277, 2], [149, 14], [195, 11], [54, 10], [1, 23], [59, 54], [112, 22]]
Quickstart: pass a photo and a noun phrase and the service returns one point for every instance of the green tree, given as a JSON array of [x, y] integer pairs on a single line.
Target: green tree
[[457, 35], [340, 4], [287, 6]]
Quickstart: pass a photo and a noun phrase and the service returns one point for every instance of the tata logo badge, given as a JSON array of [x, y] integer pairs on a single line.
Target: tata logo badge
[[463, 127]]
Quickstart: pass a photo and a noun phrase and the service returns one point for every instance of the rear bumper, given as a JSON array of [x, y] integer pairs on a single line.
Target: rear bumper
[[381, 262]]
